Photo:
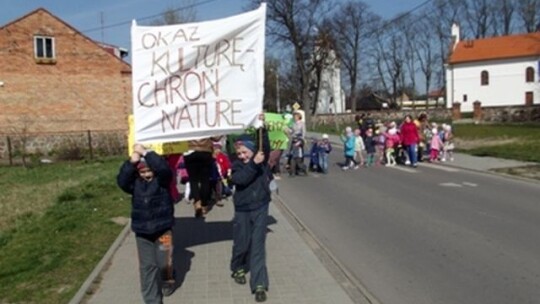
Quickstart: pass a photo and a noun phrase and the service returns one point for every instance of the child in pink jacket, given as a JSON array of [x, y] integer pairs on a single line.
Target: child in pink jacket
[[436, 146]]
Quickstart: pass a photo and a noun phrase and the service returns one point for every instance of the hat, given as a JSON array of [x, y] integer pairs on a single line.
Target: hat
[[325, 136], [348, 129], [245, 140], [142, 164]]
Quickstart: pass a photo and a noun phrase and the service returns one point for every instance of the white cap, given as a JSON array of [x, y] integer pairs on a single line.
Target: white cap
[[325, 136]]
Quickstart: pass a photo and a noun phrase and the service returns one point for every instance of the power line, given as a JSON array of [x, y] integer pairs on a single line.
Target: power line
[[402, 16], [146, 17]]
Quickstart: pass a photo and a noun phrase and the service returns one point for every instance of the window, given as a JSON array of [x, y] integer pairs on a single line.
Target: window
[[529, 98], [44, 49], [529, 74], [464, 97], [484, 78]]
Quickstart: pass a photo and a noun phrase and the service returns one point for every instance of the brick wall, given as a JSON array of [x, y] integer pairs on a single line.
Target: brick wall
[[511, 114], [86, 89]]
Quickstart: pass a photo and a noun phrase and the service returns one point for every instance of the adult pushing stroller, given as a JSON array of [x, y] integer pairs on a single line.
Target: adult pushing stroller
[[296, 156]]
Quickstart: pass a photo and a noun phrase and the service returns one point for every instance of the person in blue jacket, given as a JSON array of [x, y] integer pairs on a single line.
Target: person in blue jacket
[[349, 143], [251, 177], [146, 176]]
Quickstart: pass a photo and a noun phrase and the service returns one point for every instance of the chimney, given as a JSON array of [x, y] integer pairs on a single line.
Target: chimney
[[455, 35]]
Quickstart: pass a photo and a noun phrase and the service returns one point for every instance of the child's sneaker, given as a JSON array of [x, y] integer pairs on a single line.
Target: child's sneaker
[[345, 168], [239, 277], [260, 294], [168, 289], [356, 167]]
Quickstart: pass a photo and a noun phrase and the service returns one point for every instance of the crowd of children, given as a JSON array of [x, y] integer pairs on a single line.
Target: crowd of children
[[378, 143], [389, 144]]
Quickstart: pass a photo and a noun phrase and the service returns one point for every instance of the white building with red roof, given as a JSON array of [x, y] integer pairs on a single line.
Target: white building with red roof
[[499, 71]]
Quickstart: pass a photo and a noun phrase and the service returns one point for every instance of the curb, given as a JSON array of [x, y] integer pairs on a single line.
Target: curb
[[85, 287], [356, 291]]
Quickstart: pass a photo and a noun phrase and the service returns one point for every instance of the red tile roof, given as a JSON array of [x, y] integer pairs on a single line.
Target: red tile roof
[[504, 47]]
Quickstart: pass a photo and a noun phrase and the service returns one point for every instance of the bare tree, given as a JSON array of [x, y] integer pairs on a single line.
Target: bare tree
[[294, 23], [389, 59], [409, 30], [426, 54], [504, 16], [271, 76], [480, 17], [351, 25], [184, 13], [529, 12], [443, 14]]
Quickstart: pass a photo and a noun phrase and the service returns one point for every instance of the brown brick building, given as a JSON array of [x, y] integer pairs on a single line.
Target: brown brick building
[[55, 79]]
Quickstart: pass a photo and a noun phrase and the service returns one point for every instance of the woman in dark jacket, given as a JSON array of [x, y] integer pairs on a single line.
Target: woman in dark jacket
[[147, 176]]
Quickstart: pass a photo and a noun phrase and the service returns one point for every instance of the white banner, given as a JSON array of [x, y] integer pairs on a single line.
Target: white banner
[[198, 79]]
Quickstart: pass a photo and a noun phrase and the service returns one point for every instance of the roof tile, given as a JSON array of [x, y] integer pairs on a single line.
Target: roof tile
[[504, 47]]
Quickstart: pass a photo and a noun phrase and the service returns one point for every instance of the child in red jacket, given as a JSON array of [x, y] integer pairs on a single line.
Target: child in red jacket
[[223, 165]]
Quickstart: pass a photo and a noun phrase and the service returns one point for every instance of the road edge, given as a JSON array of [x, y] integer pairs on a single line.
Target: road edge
[[354, 288], [83, 291]]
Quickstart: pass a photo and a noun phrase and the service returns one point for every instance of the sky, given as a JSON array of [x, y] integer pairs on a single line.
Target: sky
[[86, 15]]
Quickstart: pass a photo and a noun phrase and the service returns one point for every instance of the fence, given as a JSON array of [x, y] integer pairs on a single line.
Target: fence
[[30, 147], [440, 114]]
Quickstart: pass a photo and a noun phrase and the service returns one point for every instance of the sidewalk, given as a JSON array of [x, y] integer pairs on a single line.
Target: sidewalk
[[202, 252]]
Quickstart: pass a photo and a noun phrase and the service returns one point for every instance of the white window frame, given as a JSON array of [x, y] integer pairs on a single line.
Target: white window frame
[[43, 40]]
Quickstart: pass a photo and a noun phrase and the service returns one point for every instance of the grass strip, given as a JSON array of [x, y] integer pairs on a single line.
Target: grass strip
[[46, 256]]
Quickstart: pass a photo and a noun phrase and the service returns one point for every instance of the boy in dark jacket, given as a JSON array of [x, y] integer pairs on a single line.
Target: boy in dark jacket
[[251, 176], [147, 176]]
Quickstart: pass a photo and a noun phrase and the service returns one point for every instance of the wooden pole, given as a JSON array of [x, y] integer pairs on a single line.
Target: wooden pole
[[260, 139], [89, 136], [9, 151]]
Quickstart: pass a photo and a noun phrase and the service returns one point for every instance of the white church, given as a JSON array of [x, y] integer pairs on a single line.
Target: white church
[[499, 71], [331, 96]]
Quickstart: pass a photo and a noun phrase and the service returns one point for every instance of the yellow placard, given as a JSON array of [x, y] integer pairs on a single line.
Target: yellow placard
[[159, 148]]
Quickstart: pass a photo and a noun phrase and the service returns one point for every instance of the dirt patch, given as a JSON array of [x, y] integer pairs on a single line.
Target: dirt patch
[[532, 172]]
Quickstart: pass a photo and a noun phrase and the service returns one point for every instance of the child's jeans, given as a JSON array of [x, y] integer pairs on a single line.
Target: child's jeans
[[370, 159], [323, 162]]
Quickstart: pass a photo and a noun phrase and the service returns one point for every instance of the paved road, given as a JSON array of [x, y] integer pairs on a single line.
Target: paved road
[[431, 235]]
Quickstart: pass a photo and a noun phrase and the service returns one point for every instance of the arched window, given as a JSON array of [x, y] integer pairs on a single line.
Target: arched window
[[484, 78], [529, 74]]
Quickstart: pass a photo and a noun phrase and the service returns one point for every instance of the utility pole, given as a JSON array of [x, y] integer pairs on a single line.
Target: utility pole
[[277, 93], [102, 21]]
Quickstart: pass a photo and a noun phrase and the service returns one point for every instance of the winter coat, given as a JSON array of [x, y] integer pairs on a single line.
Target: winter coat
[[409, 134], [349, 144], [370, 143], [252, 181], [152, 208]]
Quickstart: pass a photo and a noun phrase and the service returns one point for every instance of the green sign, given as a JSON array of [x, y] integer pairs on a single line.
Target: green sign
[[277, 127]]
